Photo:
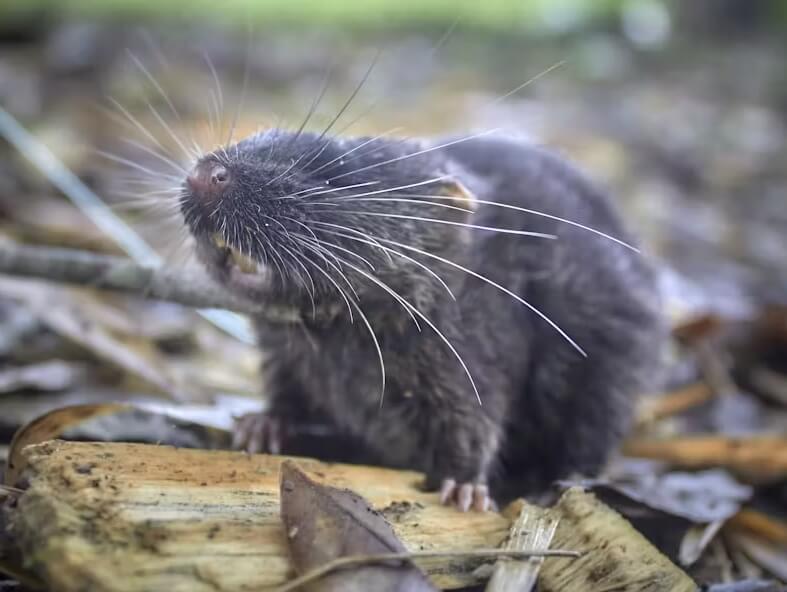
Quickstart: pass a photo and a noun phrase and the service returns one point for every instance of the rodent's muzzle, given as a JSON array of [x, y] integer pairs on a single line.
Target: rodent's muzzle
[[208, 181]]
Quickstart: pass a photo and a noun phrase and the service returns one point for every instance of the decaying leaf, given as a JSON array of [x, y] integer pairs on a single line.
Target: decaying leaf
[[324, 523], [50, 426]]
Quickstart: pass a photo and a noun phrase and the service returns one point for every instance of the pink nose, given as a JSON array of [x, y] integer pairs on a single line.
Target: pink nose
[[208, 181]]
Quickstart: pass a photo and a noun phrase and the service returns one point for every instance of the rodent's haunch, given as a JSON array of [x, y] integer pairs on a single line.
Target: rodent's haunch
[[414, 253]]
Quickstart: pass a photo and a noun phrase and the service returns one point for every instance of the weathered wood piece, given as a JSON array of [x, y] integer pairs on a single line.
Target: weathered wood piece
[[615, 556], [134, 518]]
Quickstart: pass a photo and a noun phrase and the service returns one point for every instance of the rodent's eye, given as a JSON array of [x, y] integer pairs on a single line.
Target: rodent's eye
[[208, 180]]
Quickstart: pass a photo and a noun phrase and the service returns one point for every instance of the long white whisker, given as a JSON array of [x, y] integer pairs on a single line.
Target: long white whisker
[[324, 191], [319, 253], [139, 167], [359, 146], [423, 202], [516, 297], [387, 189], [422, 316], [449, 223], [310, 289], [525, 210], [335, 246], [354, 231], [525, 84], [136, 123], [155, 83], [155, 154], [341, 112], [368, 325], [394, 251], [244, 88], [417, 153], [172, 133]]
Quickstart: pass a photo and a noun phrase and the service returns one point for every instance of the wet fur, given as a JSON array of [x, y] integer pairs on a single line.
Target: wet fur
[[547, 411]]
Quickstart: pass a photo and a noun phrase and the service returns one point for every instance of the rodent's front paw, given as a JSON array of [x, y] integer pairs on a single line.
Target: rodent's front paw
[[258, 432], [473, 495]]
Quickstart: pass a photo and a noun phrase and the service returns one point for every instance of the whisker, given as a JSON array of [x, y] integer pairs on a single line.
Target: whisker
[[155, 84], [358, 147], [313, 108], [388, 250], [319, 251], [136, 123], [324, 191], [395, 200], [244, 88], [338, 247], [368, 326], [342, 110], [529, 211], [516, 297], [414, 310], [172, 134], [155, 154], [525, 84], [386, 189], [448, 222], [310, 288], [139, 167], [354, 231], [417, 153], [377, 348], [217, 96]]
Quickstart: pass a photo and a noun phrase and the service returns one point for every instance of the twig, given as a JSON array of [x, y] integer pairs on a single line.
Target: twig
[[531, 530], [188, 287], [10, 491], [359, 560], [100, 213]]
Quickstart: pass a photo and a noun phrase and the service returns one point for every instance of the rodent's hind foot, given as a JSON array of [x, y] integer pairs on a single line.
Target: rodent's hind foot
[[466, 496], [258, 432]]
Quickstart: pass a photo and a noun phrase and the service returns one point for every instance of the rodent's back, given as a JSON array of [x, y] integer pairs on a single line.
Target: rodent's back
[[602, 294]]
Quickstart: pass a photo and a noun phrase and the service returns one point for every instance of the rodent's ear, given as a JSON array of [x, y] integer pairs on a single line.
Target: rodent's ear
[[462, 196]]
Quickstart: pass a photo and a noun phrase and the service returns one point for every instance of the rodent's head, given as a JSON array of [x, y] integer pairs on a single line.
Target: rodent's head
[[306, 220]]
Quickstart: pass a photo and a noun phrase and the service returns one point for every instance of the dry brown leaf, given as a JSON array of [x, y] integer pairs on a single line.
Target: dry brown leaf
[[324, 523], [48, 427]]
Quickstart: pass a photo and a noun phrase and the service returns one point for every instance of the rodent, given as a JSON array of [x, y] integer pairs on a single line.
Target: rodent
[[378, 244]]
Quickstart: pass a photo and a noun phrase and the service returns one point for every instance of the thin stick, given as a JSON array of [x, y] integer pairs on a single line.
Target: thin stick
[[190, 287], [99, 212], [359, 560]]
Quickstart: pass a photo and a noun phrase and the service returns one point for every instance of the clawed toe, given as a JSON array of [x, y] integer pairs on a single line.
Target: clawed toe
[[257, 432], [466, 496]]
